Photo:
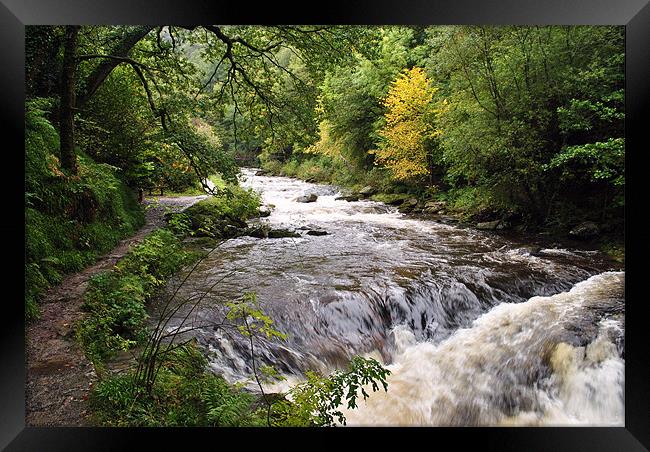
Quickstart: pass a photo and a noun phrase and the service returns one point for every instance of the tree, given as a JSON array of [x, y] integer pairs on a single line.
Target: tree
[[351, 95], [66, 113], [407, 148], [240, 52], [519, 97]]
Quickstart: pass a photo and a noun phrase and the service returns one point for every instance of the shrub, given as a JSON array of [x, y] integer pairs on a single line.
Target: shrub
[[185, 394], [273, 167], [472, 202], [234, 202], [214, 216], [154, 260], [316, 401], [116, 314]]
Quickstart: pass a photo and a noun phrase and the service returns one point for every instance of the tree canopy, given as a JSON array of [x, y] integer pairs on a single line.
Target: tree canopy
[[526, 119]]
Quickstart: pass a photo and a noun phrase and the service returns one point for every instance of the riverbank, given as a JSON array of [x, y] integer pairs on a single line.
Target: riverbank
[[59, 374]]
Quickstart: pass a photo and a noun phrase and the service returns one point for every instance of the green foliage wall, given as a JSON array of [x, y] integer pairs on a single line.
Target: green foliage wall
[[521, 98], [530, 118], [69, 222]]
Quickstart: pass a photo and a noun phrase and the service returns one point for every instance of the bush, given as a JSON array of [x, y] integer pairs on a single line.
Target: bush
[[154, 260], [185, 394], [273, 167], [234, 202], [473, 203], [116, 314], [214, 216], [317, 401]]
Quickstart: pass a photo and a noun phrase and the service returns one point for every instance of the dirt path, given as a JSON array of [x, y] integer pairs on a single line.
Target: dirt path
[[59, 376]]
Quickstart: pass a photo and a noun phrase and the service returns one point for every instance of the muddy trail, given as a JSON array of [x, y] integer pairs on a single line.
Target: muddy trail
[[59, 377]]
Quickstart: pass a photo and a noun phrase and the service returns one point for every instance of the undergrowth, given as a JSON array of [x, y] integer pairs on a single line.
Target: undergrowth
[[115, 300], [69, 220]]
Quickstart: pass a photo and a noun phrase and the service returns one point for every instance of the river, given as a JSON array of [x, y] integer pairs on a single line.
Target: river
[[474, 328]]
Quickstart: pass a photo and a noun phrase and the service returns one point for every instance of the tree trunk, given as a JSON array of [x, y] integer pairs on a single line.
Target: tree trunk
[[66, 108]]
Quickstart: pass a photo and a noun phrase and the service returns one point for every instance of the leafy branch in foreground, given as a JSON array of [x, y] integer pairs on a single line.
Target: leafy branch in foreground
[[318, 401]]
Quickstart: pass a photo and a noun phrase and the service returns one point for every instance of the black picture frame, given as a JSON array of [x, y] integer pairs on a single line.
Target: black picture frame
[[633, 14]]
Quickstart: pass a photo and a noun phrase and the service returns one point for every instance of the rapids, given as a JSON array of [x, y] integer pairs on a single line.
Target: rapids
[[475, 329]]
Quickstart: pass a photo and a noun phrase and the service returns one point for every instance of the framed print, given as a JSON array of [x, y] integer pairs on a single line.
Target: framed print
[[414, 215]]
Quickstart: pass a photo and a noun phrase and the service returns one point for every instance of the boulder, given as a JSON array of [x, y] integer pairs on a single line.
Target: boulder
[[312, 197], [349, 198], [438, 205], [488, 225], [260, 231], [395, 201], [264, 211], [446, 219], [236, 222], [408, 205], [433, 207], [308, 227], [367, 191], [261, 172], [531, 250], [317, 232], [230, 230], [585, 231], [282, 233]]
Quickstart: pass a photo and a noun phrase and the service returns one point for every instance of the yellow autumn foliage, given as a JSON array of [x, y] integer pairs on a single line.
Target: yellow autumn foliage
[[409, 126], [326, 144]]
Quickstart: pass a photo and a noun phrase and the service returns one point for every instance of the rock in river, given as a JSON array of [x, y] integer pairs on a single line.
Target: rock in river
[[434, 207], [264, 211], [488, 225], [349, 198], [367, 191], [281, 233], [312, 197], [408, 205], [260, 232], [585, 231]]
